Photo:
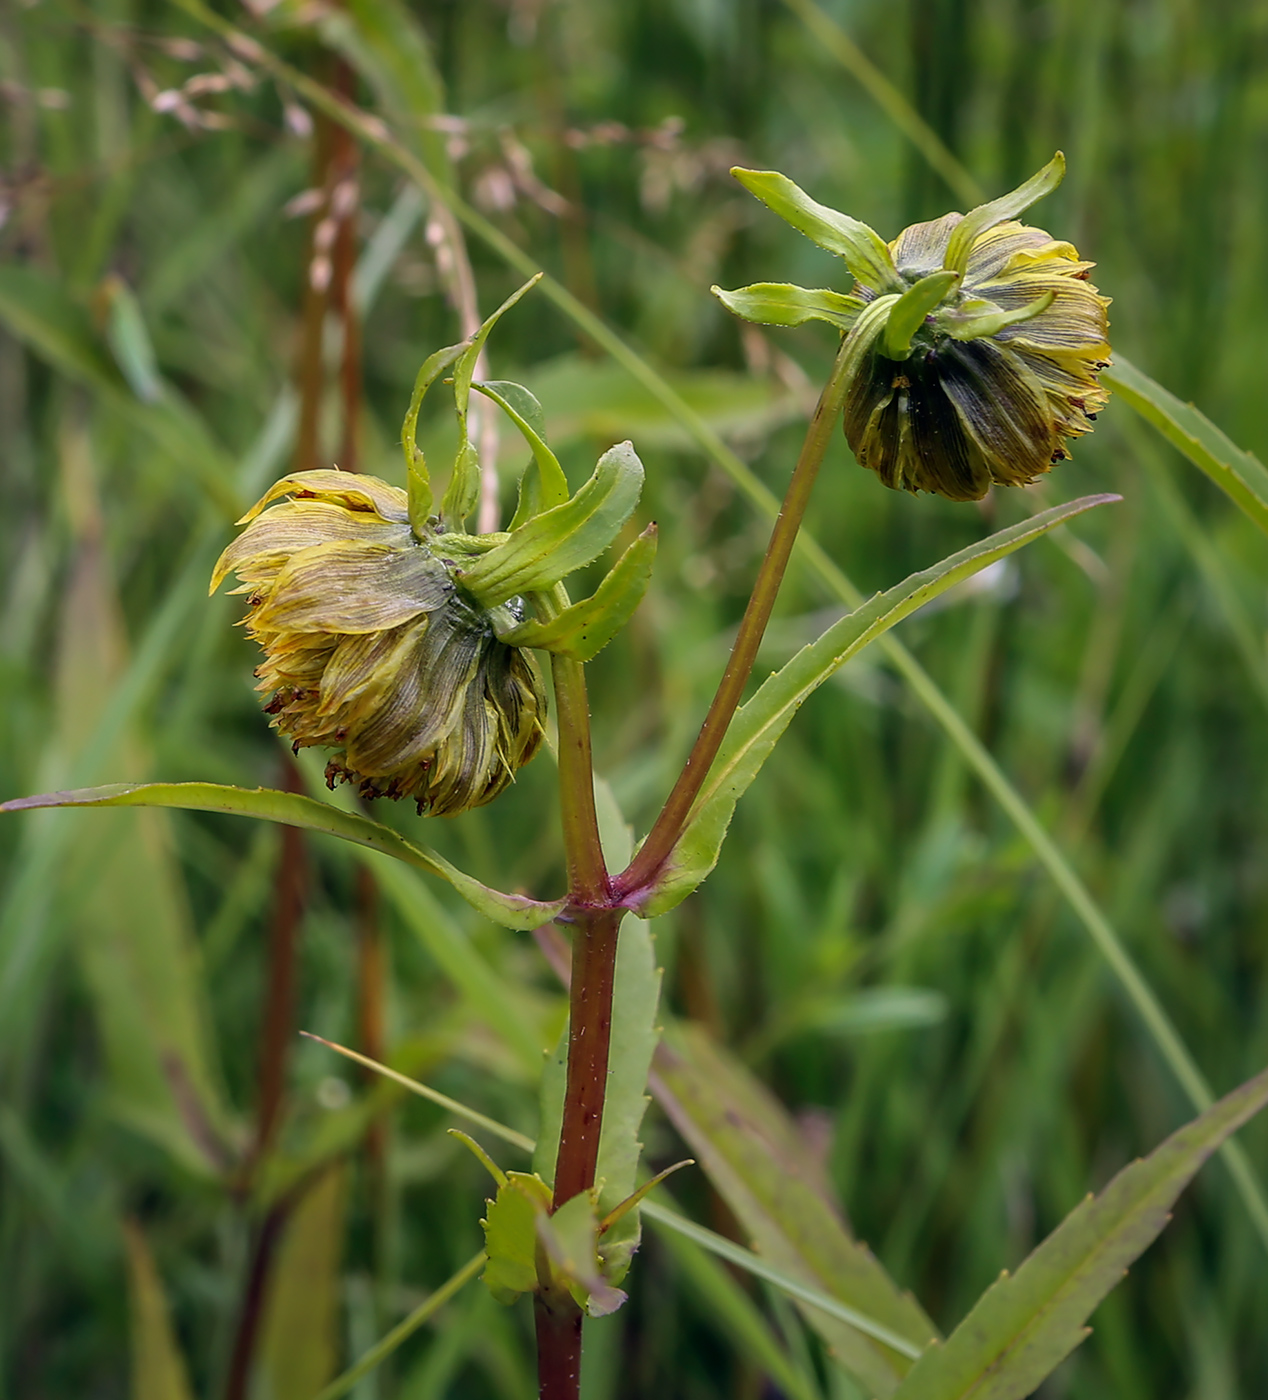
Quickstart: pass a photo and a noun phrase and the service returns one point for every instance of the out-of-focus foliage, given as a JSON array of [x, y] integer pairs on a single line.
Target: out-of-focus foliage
[[876, 943]]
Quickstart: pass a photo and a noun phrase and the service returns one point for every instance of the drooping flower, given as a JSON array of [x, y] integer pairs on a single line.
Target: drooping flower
[[974, 341], [374, 647], [396, 637]]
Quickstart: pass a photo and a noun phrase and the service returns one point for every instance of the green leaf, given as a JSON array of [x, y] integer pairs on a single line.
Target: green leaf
[[584, 629], [759, 724], [463, 490], [158, 1367], [404, 1329], [756, 1160], [510, 910], [634, 1036], [910, 311], [1025, 1325], [553, 544], [865, 252], [1240, 475], [418, 478], [301, 1328], [669, 1220], [730, 1307], [522, 408], [998, 211], [782, 304], [510, 1235]]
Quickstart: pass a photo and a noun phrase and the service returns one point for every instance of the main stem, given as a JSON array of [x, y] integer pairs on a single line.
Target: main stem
[[595, 924], [655, 851]]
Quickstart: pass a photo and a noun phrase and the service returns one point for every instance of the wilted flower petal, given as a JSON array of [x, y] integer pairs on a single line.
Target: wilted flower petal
[[373, 647], [998, 374]]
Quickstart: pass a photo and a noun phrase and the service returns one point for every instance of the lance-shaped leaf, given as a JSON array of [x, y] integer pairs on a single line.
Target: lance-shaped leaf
[[756, 1159], [557, 542], [783, 304], [463, 490], [1240, 475], [865, 252], [910, 311], [550, 487], [584, 629], [759, 724], [511, 910], [1026, 1324], [1007, 206]]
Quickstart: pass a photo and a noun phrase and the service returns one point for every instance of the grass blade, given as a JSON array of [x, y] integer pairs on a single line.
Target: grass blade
[[381, 1350]]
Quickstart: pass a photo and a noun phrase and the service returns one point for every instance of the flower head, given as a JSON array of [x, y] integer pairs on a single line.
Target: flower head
[[974, 341], [373, 647]]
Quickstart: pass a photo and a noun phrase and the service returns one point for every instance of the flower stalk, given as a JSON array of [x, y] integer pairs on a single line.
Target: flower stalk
[[659, 845]]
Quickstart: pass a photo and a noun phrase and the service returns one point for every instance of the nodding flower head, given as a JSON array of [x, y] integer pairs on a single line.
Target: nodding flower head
[[372, 646], [973, 342]]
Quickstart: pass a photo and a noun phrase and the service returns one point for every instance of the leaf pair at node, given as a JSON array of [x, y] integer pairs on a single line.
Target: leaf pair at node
[[533, 1248]]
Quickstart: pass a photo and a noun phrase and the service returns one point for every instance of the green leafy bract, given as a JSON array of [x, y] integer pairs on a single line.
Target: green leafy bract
[[581, 631], [782, 304], [550, 546], [911, 309], [977, 221], [865, 252], [521, 407], [463, 490]]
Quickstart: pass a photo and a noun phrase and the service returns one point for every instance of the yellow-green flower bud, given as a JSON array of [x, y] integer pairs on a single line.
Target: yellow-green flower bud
[[372, 646], [982, 338]]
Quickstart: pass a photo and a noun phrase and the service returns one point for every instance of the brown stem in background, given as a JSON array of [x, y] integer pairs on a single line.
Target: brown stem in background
[[277, 1030], [263, 1247], [371, 978]]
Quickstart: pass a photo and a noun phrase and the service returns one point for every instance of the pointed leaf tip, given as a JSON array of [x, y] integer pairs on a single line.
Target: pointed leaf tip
[[977, 221]]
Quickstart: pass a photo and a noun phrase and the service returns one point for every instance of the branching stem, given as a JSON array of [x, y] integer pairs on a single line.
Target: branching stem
[[658, 847]]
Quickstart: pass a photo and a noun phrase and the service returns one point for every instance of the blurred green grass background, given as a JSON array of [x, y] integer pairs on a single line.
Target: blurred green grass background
[[877, 943]]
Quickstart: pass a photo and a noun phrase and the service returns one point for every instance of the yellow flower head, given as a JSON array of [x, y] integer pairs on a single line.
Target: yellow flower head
[[974, 340], [372, 646]]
